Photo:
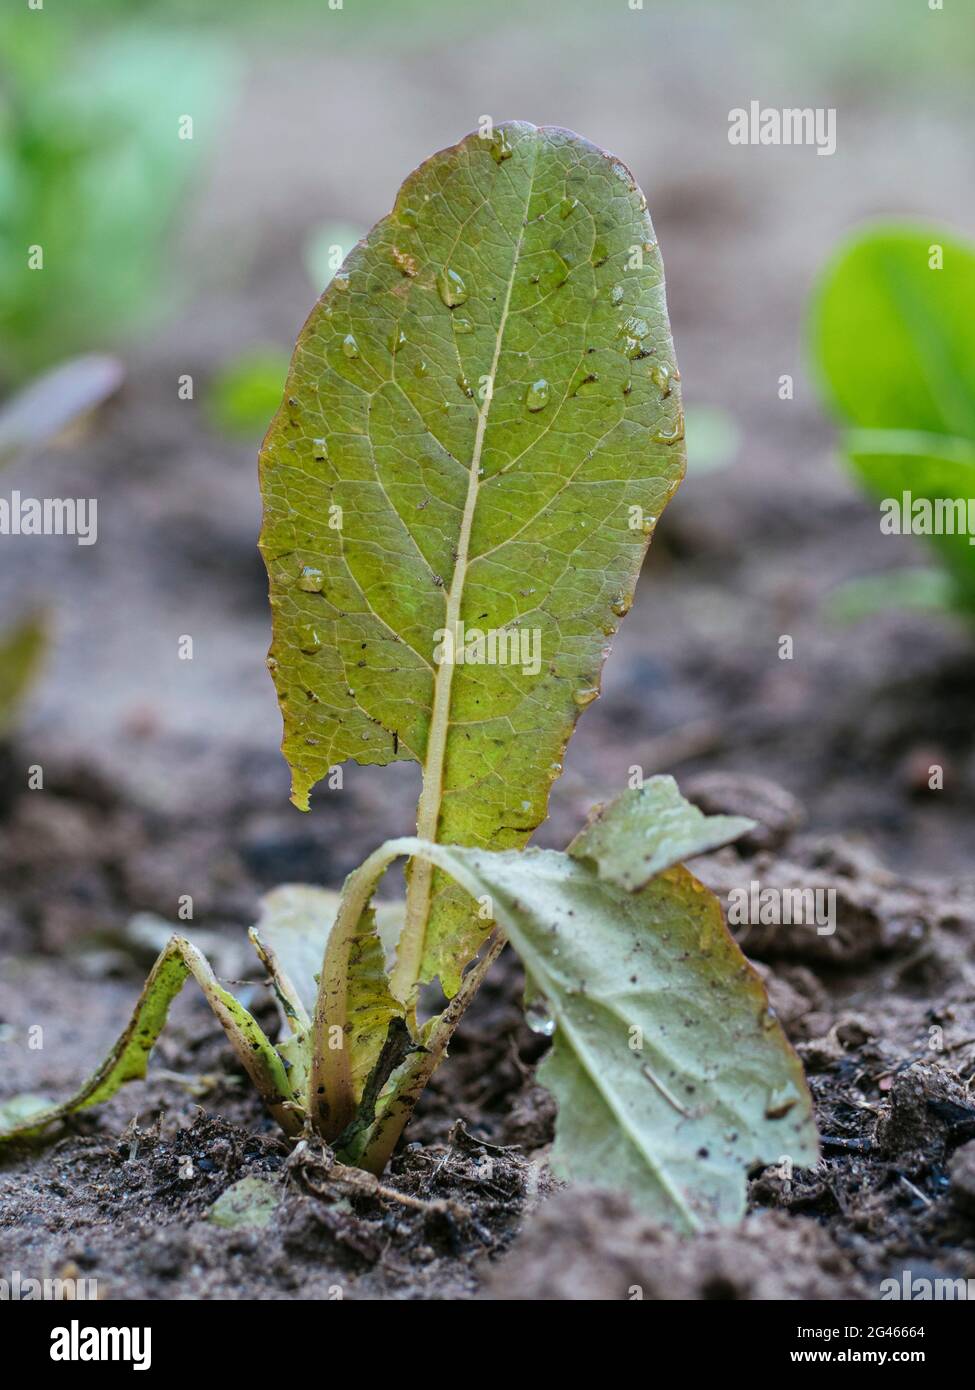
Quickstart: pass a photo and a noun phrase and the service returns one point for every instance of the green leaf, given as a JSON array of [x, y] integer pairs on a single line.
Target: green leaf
[[649, 829], [246, 391], [919, 590], [248, 1205], [933, 469], [21, 653], [891, 331], [672, 1075], [291, 938], [129, 1058], [481, 424], [892, 337], [93, 170]]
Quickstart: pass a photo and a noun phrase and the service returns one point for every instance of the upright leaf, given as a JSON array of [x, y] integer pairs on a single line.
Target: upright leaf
[[892, 336], [481, 425], [892, 330]]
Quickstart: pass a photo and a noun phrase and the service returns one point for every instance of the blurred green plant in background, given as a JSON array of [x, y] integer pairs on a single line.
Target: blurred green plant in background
[[894, 348], [92, 172]]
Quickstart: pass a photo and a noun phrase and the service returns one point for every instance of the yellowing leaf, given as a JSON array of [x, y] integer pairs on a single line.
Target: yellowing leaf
[[481, 425]]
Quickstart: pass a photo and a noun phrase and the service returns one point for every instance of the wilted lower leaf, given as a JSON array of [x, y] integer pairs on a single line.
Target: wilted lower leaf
[[129, 1058], [481, 425], [672, 1075], [649, 829]]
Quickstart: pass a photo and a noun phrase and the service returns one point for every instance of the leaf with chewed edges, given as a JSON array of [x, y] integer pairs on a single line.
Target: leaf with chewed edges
[[649, 829], [481, 426]]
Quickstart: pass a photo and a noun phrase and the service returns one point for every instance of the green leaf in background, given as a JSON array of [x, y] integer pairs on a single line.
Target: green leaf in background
[[892, 335], [917, 589], [650, 829], [713, 439], [21, 654], [481, 425], [92, 169], [931, 468], [244, 393]]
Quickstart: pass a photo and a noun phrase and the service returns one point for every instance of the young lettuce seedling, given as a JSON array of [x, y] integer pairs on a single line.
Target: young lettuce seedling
[[481, 426]]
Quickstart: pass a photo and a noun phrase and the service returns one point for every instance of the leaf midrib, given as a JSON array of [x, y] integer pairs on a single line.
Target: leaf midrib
[[409, 959]]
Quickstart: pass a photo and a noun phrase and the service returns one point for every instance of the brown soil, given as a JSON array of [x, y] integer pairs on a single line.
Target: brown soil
[[162, 778]]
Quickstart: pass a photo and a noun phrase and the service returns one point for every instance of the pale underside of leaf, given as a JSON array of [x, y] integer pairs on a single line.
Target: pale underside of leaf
[[672, 1075], [459, 503], [650, 829], [129, 1057]]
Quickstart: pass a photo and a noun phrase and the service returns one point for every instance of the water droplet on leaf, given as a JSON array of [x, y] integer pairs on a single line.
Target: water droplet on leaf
[[501, 146], [536, 397], [673, 436], [538, 1016], [311, 580], [451, 287]]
